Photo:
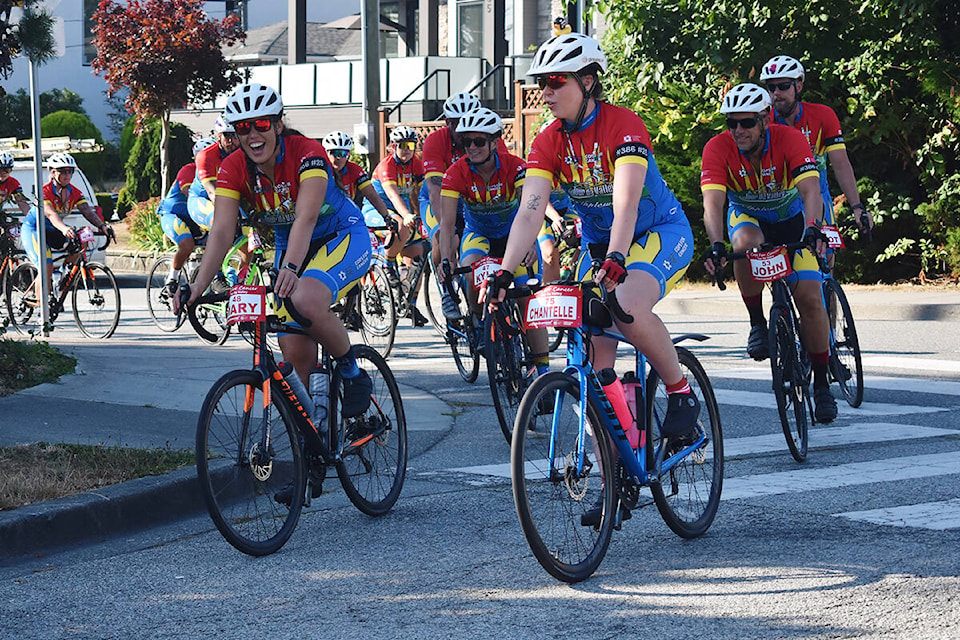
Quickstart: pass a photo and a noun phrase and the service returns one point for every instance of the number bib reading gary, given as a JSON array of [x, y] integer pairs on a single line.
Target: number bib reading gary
[[558, 305], [767, 266], [247, 303], [482, 268]]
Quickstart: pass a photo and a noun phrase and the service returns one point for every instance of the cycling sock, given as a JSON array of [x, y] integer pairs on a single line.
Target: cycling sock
[[173, 275], [542, 368], [755, 309], [819, 362], [679, 387], [347, 365]]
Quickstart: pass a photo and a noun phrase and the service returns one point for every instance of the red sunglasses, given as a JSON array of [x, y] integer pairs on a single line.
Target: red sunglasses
[[260, 124], [554, 81]]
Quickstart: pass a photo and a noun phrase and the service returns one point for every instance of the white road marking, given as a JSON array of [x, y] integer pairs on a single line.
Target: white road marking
[[858, 433], [919, 364], [888, 383], [766, 400], [938, 516]]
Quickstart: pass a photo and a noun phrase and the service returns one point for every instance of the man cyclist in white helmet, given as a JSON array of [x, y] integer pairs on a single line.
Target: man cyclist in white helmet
[[769, 175]]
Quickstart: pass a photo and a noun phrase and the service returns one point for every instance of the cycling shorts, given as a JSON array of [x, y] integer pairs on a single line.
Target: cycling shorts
[[805, 264], [178, 229], [30, 239], [201, 212], [476, 246]]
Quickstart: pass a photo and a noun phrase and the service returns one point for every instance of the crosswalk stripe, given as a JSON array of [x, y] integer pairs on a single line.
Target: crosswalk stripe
[[844, 475], [887, 383], [938, 516], [858, 433], [766, 400], [927, 365]]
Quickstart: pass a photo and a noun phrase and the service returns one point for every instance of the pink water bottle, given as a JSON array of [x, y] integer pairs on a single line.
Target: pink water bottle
[[634, 393], [614, 390]]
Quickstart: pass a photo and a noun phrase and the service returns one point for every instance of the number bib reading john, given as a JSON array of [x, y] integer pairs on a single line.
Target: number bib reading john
[[247, 303], [767, 266], [558, 305], [482, 268]]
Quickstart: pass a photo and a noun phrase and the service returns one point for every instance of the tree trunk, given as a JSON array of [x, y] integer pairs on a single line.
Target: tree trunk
[[164, 152]]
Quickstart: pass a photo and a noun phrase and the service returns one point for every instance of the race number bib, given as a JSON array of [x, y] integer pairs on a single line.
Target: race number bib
[[767, 266], [253, 240], [559, 305], [86, 234], [834, 239], [482, 268], [247, 303]]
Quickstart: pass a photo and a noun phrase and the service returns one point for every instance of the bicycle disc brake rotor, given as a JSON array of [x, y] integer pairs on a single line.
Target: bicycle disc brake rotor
[[261, 464], [576, 483]]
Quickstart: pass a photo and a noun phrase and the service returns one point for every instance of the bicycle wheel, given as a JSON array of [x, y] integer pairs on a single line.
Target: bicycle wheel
[[845, 363], [239, 474], [378, 314], [509, 367], [431, 297], [687, 496], [373, 447], [23, 307], [789, 381], [96, 301], [211, 320], [462, 335], [159, 301], [551, 494]]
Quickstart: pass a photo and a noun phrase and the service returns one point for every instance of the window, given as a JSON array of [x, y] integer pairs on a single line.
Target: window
[[470, 21], [89, 51]]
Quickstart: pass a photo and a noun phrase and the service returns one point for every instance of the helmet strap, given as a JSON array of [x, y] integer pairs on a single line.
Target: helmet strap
[[570, 127]]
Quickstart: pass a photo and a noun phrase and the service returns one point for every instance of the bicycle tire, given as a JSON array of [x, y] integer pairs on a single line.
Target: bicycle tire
[[22, 306], [509, 367], [688, 495], [550, 494], [372, 467], [10, 262], [432, 297], [209, 321], [461, 336], [846, 364], [159, 302], [377, 309], [790, 385], [96, 301]]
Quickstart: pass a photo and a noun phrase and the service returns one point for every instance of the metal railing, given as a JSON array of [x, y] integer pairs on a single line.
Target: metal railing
[[433, 74]]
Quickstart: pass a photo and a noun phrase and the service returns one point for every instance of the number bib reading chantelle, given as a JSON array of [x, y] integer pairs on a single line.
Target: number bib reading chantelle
[[558, 305], [247, 303], [834, 239], [767, 266], [482, 268]]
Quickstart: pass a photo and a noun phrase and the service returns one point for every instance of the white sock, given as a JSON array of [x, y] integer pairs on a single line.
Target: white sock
[[174, 275]]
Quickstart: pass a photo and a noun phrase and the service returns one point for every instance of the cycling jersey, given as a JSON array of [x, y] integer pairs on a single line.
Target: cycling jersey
[[769, 195], [583, 163], [489, 206], [821, 127], [354, 179], [199, 204], [62, 200], [175, 201], [9, 190], [404, 177]]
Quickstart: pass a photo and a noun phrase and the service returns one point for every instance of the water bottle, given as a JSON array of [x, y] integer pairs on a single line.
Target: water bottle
[[634, 394], [615, 394], [320, 394], [56, 279], [296, 384], [232, 277]]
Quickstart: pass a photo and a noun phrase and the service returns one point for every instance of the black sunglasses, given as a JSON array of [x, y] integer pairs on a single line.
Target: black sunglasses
[[782, 86], [260, 124], [476, 142], [554, 81], [65, 170], [745, 123]]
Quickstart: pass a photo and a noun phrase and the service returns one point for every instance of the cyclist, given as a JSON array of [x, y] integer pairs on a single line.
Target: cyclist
[[784, 78], [631, 221], [174, 219], [395, 180], [203, 188], [770, 177], [59, 199], [488, 182], [10, 189], [322, 246]]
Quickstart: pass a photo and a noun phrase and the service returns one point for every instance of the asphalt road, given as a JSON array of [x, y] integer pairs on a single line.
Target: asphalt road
[[859, 541]]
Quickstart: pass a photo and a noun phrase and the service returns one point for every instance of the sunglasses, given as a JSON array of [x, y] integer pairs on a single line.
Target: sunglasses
[[409, 145], [554, 81], [339, 153], [475, 142], [782, 86], [744, 123], [66, 171], [260, 124]]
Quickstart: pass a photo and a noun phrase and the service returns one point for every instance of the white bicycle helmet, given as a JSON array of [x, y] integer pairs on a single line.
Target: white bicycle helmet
[[61, 161], [202, 144], [253, 100], [6, 160], [337, 141], [746, 98], [483, 120], [403, 133], [459, 104], [222, 126], [567, 53], [782, 67]]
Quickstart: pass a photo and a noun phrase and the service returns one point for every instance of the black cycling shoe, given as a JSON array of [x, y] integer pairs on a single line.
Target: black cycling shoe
[[825, 406], [419, 320], [682, 412], [356, 395], [758, 345], [170, 288], [285, 496]]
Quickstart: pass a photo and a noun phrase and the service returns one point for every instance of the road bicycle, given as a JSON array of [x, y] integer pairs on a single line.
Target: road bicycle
[[846, 366], [256, 439], [370, 308], [570, 452], [463, 332], [789, 362], [11, 255], [91, 286]]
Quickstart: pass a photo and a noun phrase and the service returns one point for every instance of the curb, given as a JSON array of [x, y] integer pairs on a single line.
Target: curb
[[130, 261]]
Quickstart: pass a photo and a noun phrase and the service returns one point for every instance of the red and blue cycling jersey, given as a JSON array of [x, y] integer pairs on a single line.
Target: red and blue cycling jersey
[[9, 189], [62, 200], [208, 163], [821, 127], [769, 194], [175, 201], [489, 206], [272, 200], [583, 163], [354, 179], [405, 177]]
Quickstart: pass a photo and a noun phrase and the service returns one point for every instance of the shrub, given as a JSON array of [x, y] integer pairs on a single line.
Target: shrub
[[144, 226], [142, 167], [77, 126]]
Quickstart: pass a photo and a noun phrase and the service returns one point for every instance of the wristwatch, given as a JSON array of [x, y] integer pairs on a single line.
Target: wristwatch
[[291, 267]]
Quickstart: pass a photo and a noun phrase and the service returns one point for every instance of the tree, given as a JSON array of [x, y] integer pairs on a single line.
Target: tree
[[166, 53]]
